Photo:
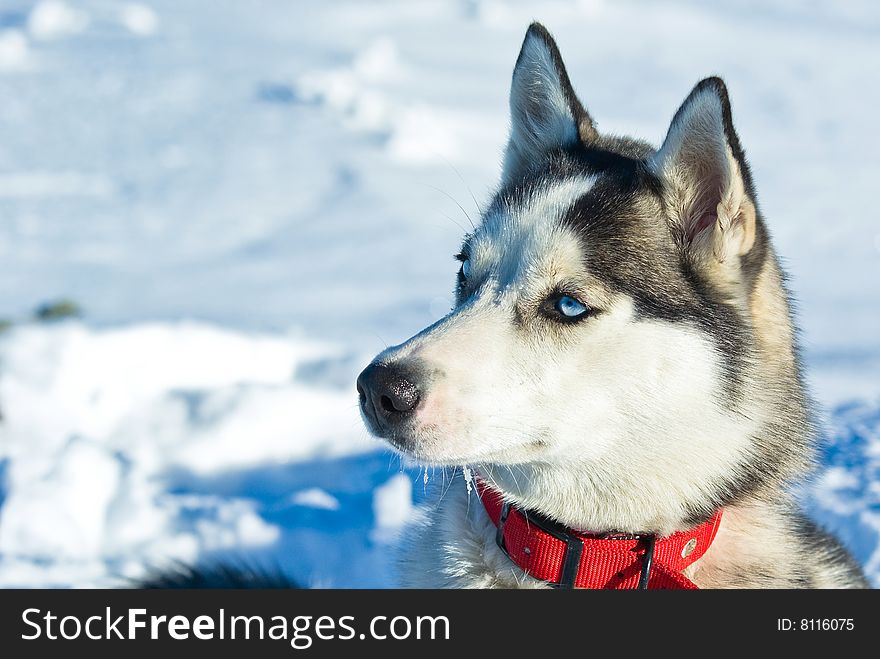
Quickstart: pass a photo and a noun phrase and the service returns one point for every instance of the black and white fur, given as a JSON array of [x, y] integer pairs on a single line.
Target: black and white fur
[[677, 392]]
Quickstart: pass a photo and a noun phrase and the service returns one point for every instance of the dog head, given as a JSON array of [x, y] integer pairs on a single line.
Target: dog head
[[611, 307]]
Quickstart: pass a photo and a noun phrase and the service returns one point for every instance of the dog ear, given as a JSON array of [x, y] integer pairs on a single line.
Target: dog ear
[[706, 180], [545, 113]]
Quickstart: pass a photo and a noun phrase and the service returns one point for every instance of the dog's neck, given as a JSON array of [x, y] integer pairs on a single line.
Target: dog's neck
[[576, 499], [455, 546], [562, 557]]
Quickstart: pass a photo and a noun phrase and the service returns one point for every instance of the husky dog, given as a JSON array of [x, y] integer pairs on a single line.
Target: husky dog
[[621, 356]]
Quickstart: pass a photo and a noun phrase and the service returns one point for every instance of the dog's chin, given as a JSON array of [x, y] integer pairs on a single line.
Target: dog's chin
[[429, 454], [416, 453]]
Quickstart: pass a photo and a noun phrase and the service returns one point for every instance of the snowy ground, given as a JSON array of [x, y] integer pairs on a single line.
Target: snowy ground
[[250, 201]]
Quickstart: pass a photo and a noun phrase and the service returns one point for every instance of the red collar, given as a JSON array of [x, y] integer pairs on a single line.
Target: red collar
[[550, 552]]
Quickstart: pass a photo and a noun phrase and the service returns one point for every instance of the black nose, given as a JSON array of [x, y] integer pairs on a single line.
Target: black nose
[[388, 394]]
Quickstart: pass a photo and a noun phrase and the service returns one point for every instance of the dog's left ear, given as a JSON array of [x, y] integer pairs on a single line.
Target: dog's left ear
[[545, 113], [706, 180]]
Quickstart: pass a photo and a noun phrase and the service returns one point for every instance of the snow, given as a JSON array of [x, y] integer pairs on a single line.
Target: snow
[[845, 496], [316, 498], [95, 420], [250, 202], [392, 507], [53, 19], [139, 19], [43, 185], [14, 51]]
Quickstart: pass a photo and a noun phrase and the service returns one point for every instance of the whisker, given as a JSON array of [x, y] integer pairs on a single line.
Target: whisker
[[464, 183], [449, 485], [455, 222], [381, 340], [454, 200]]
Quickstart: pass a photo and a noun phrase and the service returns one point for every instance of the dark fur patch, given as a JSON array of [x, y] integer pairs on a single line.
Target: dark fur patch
[[823, 547]]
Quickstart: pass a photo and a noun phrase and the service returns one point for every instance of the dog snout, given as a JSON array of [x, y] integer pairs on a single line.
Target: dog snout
[[388, 395]]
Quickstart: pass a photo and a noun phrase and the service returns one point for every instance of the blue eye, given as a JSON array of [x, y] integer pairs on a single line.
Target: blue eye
[[466, 268], [570, 308]]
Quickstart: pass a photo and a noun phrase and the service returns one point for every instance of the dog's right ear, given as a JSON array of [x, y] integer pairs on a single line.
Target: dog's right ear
[[545, 113], [706, 181]]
